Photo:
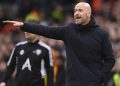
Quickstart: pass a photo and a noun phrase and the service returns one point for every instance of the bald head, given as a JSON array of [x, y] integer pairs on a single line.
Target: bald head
[[82, 13], [84, 6]]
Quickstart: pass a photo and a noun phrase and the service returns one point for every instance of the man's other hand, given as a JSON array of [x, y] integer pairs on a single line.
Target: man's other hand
[[15, 23]]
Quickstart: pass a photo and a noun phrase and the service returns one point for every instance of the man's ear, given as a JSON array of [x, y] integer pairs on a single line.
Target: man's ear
[[88, 14]]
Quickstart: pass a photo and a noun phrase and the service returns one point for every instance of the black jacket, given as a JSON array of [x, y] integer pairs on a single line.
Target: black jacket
[[27, 57], [88, 48]]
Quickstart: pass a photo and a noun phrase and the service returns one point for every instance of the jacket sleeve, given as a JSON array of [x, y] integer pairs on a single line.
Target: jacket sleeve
[[108, 58], [49, 68], [10, 67], [47, 31]]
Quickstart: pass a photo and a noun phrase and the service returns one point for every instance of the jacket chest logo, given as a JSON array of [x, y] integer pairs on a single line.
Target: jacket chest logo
[[22, 52], [37, 52]]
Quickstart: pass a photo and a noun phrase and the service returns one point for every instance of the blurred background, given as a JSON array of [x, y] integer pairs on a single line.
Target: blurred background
[[57, 12]]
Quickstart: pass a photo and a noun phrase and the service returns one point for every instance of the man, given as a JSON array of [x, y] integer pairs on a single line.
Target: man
[[88, 48], [27, 57]]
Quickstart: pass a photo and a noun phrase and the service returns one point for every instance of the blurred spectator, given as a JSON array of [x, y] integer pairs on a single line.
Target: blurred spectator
[[60, 71], [26, 6], [58, 14], [2, 17]]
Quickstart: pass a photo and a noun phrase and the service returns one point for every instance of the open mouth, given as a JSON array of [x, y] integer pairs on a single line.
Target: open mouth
[[77, 17]]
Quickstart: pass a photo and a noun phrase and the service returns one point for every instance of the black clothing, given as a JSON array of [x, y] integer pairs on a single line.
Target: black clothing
[[88, 48], [27, 56]]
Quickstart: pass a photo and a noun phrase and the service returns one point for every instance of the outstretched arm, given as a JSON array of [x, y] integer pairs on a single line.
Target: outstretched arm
[[47, 31]]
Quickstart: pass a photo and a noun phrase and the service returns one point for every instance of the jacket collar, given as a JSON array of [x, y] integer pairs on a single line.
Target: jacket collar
[[88, 26]]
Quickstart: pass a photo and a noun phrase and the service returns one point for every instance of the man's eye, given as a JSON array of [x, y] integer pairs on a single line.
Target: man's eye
[[80, 10]]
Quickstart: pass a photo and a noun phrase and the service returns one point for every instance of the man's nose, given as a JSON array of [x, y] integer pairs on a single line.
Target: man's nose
[[77, 13]]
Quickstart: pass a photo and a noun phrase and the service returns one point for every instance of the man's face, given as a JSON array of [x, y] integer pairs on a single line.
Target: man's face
[[82, 12], [31, 37]]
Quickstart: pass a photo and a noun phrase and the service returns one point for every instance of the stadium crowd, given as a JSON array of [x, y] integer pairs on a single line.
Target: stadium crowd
[[57, 12]]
